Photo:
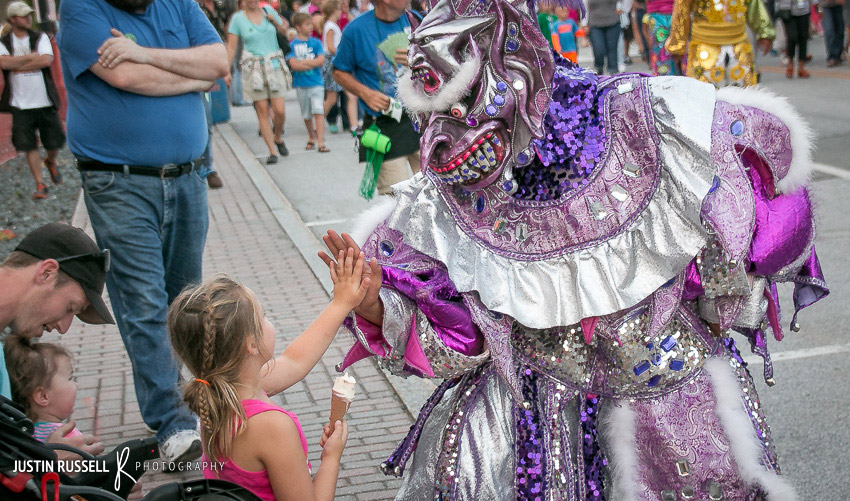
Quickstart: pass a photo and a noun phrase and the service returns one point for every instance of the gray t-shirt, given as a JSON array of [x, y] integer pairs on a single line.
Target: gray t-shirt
[[601, 13]]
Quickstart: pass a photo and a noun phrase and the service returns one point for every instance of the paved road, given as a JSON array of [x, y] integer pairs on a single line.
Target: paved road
[[808, 407]]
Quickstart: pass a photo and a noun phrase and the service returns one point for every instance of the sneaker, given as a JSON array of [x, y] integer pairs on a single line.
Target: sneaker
[[53, 169], [282, 149], [271, 160], [214, 181], [40, 192], [627, 60], [333, 129], [185, 445]]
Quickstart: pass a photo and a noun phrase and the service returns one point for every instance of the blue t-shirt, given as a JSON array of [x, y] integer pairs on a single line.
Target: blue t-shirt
[[5, 384], [114, 126], [358, 53], [259, 40], [565, 32], [306, 50]]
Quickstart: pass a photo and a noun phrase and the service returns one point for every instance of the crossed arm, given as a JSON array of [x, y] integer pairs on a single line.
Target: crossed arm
[[28, 62], [159, 72]]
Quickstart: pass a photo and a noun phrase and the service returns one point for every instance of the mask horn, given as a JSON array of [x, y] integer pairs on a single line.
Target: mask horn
[[414, 21]]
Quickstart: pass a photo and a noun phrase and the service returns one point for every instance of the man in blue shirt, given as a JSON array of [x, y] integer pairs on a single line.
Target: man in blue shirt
[[361, 68], [135, 71]]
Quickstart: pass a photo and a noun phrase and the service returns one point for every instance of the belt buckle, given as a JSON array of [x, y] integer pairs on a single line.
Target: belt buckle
[[164, 170]]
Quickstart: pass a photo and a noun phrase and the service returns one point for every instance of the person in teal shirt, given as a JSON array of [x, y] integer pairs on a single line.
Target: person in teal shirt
[[265, 76]]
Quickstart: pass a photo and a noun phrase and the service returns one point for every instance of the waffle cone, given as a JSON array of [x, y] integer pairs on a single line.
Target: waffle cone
[[339, 406]]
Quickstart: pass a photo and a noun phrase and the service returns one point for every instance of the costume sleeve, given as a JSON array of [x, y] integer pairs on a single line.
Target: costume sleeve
[[198, 27], [759, 20], [680, 27], [84, 29], [427, 330]]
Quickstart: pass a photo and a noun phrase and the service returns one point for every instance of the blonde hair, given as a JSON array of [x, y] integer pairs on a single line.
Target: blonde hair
[[30, 366], [209, 326], [328, 8]]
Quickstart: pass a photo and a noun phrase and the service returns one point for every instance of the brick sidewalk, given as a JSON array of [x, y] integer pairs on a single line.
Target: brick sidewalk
[[246, 242]]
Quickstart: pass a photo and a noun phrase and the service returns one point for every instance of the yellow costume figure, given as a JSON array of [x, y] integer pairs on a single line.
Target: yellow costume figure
[[715, 36]]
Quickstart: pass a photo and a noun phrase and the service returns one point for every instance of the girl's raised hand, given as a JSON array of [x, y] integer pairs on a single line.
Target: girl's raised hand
[[350, 286]]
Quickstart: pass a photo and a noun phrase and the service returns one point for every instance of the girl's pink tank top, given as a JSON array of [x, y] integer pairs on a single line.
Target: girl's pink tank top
[[255, 481]]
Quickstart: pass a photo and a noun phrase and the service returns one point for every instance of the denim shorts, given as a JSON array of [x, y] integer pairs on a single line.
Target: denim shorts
[[312, 101]]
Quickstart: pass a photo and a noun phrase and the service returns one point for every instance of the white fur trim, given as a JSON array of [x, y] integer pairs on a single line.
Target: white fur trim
[[455, 89], [801, 134], [369, 219], [736, 422], [618, 427]]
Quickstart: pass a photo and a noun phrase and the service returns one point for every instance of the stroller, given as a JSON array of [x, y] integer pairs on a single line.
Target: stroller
[[110, 476]]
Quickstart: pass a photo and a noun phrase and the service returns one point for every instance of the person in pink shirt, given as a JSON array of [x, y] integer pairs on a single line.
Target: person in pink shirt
[[220, 332]]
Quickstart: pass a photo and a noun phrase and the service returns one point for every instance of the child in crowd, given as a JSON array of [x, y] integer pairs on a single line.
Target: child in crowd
[[220, 332], [331, 34], [306, 61], [42, 378], [564, 32]]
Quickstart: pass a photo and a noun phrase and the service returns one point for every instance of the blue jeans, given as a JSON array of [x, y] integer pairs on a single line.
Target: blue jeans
[[604, 42], [207, 167], [156, 230], [833, 32]]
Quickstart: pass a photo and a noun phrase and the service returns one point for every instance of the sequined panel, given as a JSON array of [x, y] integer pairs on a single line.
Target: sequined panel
[[642, 365], [721, 276], [559, 416], [595, 463], [447, 463], [445, 362], [560, 352], [530, 479], [754, 408]]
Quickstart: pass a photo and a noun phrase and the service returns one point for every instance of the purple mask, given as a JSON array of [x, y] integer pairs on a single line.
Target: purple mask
[[479, 87]]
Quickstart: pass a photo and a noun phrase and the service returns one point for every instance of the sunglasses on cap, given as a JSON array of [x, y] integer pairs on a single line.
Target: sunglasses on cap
[[104, 258]]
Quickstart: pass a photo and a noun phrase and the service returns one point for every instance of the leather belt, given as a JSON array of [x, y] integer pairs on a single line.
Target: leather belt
[[166, 171]]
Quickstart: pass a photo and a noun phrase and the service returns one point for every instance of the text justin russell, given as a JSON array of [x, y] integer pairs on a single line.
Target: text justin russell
[[46, 466]]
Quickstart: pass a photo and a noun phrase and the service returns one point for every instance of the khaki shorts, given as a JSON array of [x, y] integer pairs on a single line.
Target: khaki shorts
[[397, 170], [252, 95]]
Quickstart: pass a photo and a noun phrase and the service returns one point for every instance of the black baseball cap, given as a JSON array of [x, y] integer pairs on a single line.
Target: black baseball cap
[[79, 258]]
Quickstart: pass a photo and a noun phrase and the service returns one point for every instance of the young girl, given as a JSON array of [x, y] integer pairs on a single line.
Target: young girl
[[42, 378], [219, 331]]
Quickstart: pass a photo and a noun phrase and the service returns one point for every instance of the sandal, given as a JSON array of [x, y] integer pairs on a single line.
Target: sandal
[[53, 169], [324, 149], [310, 145]]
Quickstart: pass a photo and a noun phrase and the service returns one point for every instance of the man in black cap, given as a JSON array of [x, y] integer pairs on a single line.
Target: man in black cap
[[56, 272]]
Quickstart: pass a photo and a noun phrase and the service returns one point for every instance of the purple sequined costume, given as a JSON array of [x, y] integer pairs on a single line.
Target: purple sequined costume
[[572, 263]]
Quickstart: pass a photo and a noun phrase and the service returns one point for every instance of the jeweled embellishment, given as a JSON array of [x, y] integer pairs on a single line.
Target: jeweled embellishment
[[619, 193], [715, 491], [715, 184], [387, 248], [688, 492], [668, 495], [631, 170], [683, 467], [736, 128], [499, 227], [480, 204], [522, 232], [598, 209]]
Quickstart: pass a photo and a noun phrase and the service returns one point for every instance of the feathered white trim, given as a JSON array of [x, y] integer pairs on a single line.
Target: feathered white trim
[[801, 134], [369, 219], [745, 445], [618, 427], [455, 89]]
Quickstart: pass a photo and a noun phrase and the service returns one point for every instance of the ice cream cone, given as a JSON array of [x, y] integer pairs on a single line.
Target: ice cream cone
[[342, 396]]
